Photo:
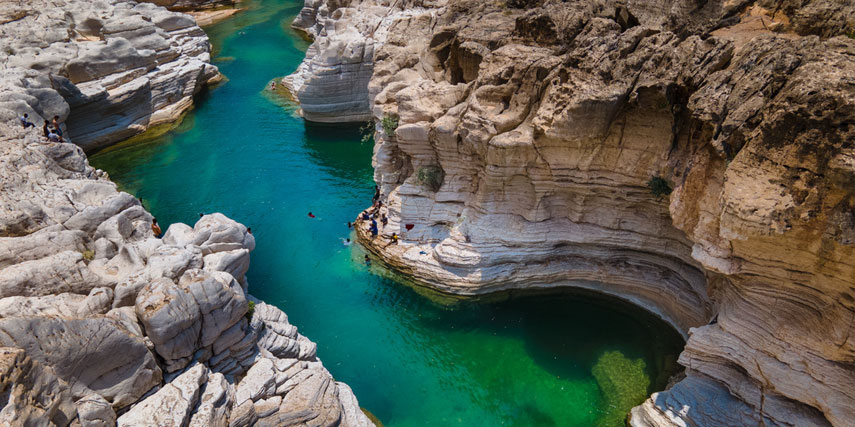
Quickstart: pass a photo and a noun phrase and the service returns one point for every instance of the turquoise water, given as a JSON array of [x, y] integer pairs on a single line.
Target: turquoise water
[[541, 360]]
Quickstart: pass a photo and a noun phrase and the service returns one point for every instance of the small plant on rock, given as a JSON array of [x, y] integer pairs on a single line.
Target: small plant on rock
[[88, 255], [431, 177], [389, 123], [658, 186], [250, 310]]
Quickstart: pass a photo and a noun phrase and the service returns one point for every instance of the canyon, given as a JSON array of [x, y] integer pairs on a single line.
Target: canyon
[[695, 159], [102, 322]]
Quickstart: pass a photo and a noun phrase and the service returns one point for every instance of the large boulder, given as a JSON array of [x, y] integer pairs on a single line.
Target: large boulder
[[32, 394], [85, 354]]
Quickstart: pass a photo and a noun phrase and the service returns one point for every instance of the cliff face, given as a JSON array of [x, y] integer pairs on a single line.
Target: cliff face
[[109, 70], [536, 144], [101, 322]]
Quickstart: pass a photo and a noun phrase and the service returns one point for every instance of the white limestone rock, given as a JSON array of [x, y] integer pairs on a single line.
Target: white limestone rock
[[172, 405], [94, 411], [171, 318], [33, 395], [120, 377], [214, 404], [258, 383], [116, 67]]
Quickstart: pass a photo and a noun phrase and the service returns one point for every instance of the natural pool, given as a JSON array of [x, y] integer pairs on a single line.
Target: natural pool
[[540, 360]]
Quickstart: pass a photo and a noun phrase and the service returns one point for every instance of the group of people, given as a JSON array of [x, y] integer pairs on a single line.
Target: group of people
[[373, 214], [51, 129]]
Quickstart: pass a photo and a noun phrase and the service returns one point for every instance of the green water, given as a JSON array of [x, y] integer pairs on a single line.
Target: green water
[[539, 361]]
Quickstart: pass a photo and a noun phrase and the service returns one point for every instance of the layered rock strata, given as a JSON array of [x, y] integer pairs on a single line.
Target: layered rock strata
[[101, 322], [533, 144], [109, 70], [332, 82]]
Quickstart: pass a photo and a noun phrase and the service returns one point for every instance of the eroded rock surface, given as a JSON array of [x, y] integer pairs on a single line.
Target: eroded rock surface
[[101, 322], [108, 69], [111, 318], [527, 144]]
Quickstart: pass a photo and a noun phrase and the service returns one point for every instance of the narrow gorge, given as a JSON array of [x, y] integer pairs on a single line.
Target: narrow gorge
[[693, 158], [592, 213]]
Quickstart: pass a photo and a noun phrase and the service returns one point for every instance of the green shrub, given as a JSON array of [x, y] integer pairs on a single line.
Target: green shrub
[[431, 177], [389, 123], [88, 255], [250, 310], [658, 186]]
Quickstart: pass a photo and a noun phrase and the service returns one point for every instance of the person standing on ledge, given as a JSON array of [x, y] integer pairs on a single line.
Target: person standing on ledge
[[46, 130], [56, 127], [25, 121], [156, 228]]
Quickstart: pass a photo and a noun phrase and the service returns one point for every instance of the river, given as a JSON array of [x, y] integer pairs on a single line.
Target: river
[[540, 360]]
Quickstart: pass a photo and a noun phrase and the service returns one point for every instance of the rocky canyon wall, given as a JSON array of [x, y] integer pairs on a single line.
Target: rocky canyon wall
[[101, 322], [109, 70], [529, 144]]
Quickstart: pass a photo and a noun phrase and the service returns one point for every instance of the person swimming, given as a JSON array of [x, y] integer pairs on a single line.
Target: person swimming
[[311, 215], [346, 242], [367, 261]]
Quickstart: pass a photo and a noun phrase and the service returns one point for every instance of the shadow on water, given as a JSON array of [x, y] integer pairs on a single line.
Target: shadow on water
[[337, 147]]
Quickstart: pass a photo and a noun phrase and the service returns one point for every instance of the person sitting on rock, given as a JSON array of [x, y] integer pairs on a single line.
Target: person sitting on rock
[[25, 122], [365, 216], [156, 228], [394, 239], [53, 136], [46, 129], [373, 230], [384, 220]]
